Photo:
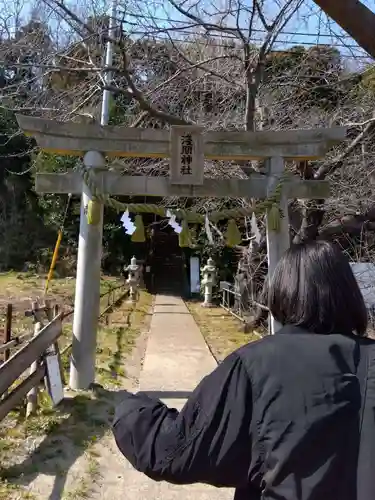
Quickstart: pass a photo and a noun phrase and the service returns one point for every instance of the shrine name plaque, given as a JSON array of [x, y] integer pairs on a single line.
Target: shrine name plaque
[[186, 155]]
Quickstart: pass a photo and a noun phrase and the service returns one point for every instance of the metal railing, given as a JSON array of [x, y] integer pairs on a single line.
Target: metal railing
[[231, 301]]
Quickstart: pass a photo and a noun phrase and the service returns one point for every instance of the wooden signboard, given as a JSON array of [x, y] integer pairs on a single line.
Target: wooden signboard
[[53, 380], [195, 286], [187, 155]]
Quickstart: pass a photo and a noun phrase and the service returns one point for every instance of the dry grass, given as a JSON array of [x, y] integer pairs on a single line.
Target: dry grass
[[21, 288], [117, 340], [222, 331], [52, 441]]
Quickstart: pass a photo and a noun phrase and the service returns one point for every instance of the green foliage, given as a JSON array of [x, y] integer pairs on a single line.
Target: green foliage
[[366, 82], [51, 163], [21, 220], [119, 109], [225, 257]]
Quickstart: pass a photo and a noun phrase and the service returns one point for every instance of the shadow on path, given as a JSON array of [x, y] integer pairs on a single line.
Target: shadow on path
[[88, 417]]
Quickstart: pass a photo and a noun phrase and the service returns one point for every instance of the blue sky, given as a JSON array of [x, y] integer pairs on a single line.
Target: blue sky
[[309, 19], [309, 26]]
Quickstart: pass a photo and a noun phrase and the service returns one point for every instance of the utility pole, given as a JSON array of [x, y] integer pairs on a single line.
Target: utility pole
[[87, 296], [108, 64]]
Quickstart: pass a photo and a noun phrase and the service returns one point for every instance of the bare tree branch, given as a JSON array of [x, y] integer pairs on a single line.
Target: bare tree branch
[[324, 170], [135, 92], [207, 26]]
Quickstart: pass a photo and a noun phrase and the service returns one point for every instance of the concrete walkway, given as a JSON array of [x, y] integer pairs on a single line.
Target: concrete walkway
[[177, 358]]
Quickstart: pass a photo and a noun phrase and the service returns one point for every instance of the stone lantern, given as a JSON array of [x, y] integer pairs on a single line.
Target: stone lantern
[[133, 278], [209, 280]]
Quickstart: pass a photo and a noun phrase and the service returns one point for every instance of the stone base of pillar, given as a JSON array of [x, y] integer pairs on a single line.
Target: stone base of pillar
[[207, 296], [207, 304]]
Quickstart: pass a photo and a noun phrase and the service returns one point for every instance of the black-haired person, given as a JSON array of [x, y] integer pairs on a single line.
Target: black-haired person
[[290, 417]]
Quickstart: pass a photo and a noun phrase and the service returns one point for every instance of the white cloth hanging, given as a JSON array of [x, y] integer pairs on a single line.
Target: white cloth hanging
[[254, 228], [173, 223], [127, 223], [208, 230]]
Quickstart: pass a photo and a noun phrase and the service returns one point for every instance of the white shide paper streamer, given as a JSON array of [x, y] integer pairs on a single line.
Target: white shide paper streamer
[[127, 223]]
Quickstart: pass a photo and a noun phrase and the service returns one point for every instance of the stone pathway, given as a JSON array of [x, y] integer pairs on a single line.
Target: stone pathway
[[177, 358]]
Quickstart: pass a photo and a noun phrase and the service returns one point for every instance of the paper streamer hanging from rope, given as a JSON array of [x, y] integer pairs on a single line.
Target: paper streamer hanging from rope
[[173, 223], [208, 230], [127, 223], [254, 228]]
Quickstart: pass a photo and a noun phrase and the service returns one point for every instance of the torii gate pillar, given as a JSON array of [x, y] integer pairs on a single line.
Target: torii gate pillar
[[87, 296]]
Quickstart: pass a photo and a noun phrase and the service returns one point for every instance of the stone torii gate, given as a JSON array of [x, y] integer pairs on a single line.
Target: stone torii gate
[[187, 147]]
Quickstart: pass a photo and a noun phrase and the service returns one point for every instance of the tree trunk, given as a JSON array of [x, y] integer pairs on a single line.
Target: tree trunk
[[355, 18], [251, 107], [312, 211]]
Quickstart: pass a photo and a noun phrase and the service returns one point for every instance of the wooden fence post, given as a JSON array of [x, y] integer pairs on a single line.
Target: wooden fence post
[[110, 306], [8, 329], [7, 335], [32, 396]]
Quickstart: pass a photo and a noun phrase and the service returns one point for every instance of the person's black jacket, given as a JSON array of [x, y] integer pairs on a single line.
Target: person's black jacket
[[279, 419]]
